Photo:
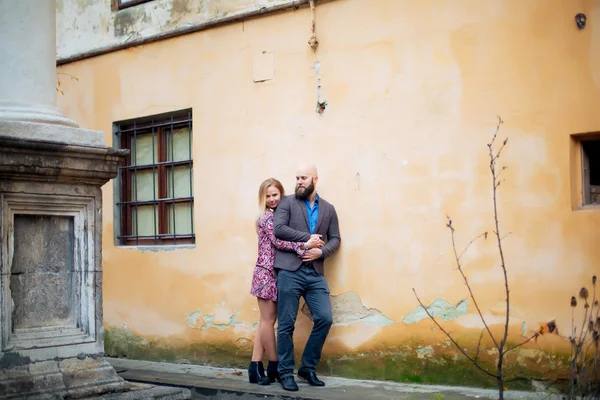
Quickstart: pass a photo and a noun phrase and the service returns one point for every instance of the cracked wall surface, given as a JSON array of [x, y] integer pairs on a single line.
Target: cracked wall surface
[[348, 308], [85, 26], [401, 145], [439, 308]]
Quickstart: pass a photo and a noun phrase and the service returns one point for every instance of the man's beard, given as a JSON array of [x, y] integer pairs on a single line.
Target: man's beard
[[304, 193]]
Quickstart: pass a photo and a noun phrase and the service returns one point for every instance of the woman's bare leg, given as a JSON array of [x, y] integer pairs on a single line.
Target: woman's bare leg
[[259, 350], [266, 327]]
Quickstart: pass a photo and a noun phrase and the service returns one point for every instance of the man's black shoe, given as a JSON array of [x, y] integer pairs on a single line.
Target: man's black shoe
[[311, 377], [288, 383]]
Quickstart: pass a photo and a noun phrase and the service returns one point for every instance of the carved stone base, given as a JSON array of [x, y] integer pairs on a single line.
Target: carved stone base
[[73, 378]]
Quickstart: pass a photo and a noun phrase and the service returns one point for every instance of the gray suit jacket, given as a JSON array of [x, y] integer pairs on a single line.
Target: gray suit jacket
[[291, 224]]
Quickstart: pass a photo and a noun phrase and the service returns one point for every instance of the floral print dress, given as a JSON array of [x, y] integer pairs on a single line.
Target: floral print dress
[[264, 283]]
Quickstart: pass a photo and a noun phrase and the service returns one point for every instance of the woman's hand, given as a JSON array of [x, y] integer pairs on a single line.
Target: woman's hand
[[314, 242]]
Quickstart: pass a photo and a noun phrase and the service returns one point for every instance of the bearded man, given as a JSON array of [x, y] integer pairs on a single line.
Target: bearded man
[[297, 217]]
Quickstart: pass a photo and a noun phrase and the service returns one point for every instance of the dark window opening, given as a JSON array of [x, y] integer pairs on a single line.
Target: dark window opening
[[591, 171], [156, 199]]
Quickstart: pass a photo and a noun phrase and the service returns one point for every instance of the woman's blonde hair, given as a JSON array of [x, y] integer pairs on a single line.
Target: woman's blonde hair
[[262, 194]]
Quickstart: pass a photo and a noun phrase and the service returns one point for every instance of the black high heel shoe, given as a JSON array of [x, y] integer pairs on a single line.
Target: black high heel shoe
[[272, 373], [256, 373]]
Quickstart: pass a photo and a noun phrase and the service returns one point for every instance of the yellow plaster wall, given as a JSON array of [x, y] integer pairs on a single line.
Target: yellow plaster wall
[[413, 91]]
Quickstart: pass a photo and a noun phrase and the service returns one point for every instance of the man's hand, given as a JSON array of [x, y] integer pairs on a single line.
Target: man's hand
[[312, 255], [314, 242]]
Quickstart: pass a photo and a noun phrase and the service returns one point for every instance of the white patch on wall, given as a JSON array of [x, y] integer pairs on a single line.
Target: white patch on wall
[[263, 66], [142, 320], [358, 335], [474, 320], [192, 318]]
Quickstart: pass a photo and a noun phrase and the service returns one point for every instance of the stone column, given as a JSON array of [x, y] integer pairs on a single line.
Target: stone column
[[51, 174], [28, 79], [28, 68]]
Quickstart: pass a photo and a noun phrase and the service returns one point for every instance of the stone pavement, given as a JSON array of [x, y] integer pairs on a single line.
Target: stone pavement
[[229, 383]]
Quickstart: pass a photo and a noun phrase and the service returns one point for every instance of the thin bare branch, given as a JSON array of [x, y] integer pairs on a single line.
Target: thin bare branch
[[583, 331], [505, 236], [484, 234], [537, 334], [573, 328], [501, 171], [496, 172], [495, 185], [497, 156], [479, 344], [587, 349], [459, 266], [500, 122], [475, 363]]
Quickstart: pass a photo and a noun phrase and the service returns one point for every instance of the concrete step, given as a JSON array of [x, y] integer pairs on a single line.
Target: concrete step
[[228, 383]]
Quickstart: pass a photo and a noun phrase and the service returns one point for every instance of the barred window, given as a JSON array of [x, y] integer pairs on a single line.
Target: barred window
[[156, 191]]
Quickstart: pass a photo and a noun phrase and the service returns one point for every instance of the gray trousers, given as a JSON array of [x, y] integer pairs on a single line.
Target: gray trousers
[[305, 282]]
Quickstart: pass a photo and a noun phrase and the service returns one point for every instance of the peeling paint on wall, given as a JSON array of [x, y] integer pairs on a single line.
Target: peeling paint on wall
[[425, 352], [220, 318], [348, 308], [321, 103], [92, 25], [243, 343], [439, 308], [209, 322], [192, 318]]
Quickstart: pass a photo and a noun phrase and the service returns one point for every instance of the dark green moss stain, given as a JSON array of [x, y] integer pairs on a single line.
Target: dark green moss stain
[[124, 21], [407, 368], [121, 343], [400, 365], [180, 8], [11, 360]]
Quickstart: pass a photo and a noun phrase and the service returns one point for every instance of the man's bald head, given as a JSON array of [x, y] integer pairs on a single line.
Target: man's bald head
[[306, 181], [307, 170]]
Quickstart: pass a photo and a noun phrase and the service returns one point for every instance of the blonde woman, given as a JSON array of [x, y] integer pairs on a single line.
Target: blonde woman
[[264, 285]]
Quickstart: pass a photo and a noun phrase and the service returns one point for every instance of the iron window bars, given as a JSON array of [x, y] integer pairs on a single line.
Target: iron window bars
[[156, 201]]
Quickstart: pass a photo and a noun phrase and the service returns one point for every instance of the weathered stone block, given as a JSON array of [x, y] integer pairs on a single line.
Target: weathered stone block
[[41, 299], [41, 280], [51, 334], [43, 244]]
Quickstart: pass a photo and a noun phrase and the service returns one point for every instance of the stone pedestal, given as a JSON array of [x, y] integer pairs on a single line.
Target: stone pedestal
[[51, 335], [51, 174]]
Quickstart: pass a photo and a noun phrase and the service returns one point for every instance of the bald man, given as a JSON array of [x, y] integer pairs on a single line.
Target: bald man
[[297, 217]]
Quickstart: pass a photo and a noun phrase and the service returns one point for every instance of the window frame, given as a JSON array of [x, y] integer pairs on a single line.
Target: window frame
[[163, 126], [586, 174], [117, 5]]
